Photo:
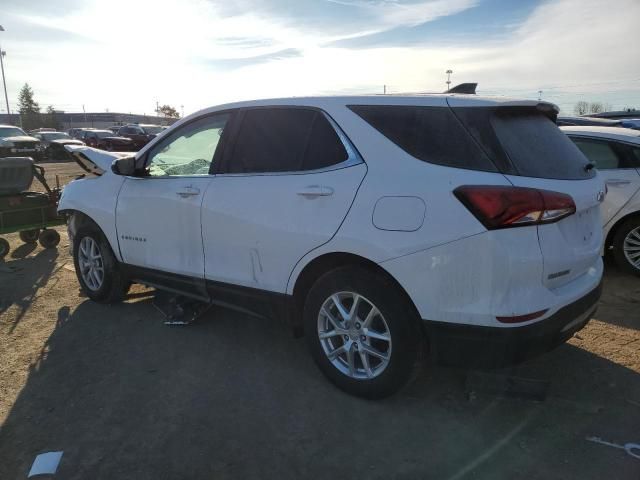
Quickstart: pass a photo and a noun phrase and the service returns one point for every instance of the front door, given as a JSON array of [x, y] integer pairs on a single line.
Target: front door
[[158, 214]]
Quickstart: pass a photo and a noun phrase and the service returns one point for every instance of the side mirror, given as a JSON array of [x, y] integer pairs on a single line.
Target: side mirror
[[124, 166]]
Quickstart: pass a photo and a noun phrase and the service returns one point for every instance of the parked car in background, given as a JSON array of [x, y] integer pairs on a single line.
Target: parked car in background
[[107, 140], [77, 132], [140, 134], [114, 128], [14, 142], [616, 154], [375, 225], [52, 143], [630, 123], [40, 130], [572, 121]]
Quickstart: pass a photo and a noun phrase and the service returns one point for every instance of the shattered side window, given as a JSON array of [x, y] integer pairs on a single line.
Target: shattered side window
[[189, 150]]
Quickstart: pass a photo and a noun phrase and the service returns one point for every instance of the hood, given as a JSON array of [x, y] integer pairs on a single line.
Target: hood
[[67, 141], [118, 139], [93, 160], [20, 138]]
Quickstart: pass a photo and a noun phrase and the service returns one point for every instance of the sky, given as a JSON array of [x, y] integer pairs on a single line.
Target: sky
[[126, 55]]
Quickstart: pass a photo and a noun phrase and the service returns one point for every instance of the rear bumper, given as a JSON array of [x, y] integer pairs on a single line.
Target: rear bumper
[[493, 347]]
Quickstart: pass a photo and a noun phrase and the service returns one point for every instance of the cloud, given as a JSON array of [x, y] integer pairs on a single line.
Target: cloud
[[233, 63], [393, 13], [204, 52]]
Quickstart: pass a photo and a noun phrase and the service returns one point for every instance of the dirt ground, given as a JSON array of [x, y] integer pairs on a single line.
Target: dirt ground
[[233, 396]]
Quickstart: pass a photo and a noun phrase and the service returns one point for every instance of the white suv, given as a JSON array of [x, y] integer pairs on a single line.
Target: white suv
[[616, 153], [382, 227]]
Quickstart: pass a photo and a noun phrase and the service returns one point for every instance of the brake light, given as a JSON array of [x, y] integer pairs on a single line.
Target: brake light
[[505, 206]]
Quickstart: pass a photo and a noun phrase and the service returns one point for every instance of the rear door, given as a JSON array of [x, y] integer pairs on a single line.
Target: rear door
[[532, 152], [615, 162], [284, 189]]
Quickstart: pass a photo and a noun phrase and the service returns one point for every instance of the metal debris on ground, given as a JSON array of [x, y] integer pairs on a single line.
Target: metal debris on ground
[[177, 309], [45, 464], [632, 449]]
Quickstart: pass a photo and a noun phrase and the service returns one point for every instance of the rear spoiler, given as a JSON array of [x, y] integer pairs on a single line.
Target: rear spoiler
[[465, 88]]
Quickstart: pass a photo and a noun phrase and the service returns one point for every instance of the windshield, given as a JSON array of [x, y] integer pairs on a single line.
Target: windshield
[[103, 133], [54, 136], [152, 130], [11, 132]]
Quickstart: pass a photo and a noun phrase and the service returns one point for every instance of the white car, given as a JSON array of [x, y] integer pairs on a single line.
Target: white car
[[616, 154], [383, 227]]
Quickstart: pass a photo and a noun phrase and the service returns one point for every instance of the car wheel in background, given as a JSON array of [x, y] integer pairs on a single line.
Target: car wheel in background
[[96, 267], [49, 238], [626, 246], [362, 333], [4, 247], [30, 236]]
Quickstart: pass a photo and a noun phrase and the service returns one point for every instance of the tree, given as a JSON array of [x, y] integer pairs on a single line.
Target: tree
[[168, 111], [29, 108], [51, 119], [596, 107], [584, 108], [581, 107], [26, 103]]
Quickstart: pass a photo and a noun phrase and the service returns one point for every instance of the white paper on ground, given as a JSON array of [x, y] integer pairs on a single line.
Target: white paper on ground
[[45, 464]]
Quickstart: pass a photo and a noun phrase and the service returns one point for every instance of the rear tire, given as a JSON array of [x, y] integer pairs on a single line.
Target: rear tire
[[379, 352], [97, 268], [49, 238], [4, 247], [626, 246], [30, 236]]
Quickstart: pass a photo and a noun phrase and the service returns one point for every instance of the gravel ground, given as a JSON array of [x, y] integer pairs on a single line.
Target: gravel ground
[[232, 396]]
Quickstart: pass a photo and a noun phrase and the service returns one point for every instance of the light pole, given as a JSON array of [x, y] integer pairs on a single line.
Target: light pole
[[4, 82], [448, 82]]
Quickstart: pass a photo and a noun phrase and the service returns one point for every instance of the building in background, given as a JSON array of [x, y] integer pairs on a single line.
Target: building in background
[[93, 120]]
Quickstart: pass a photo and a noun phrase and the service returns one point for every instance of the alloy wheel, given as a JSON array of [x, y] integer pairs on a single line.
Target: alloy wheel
[[631, 247], [354, 335], [91, 263]]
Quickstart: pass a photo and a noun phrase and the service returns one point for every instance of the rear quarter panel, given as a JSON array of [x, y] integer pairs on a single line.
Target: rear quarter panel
[[394, 173]]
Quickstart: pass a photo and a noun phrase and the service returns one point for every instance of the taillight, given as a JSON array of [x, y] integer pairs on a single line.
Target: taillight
[[504, 207]]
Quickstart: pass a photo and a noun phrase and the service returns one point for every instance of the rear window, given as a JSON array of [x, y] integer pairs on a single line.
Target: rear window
[[431, 134], [511, 140], [524, 141]]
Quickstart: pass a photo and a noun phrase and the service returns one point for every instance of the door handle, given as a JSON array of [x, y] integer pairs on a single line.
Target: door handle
[[313, 191], [188, 192], [616, 182]]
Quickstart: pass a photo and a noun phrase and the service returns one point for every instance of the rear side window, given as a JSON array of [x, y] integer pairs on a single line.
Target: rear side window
[[635, 151], [431, 134], [285, 140], [602, 154], [524, 141]]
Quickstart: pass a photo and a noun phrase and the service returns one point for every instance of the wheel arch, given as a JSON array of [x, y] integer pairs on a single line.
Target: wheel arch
[[77, 219], [326, 262], [614, 229]]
